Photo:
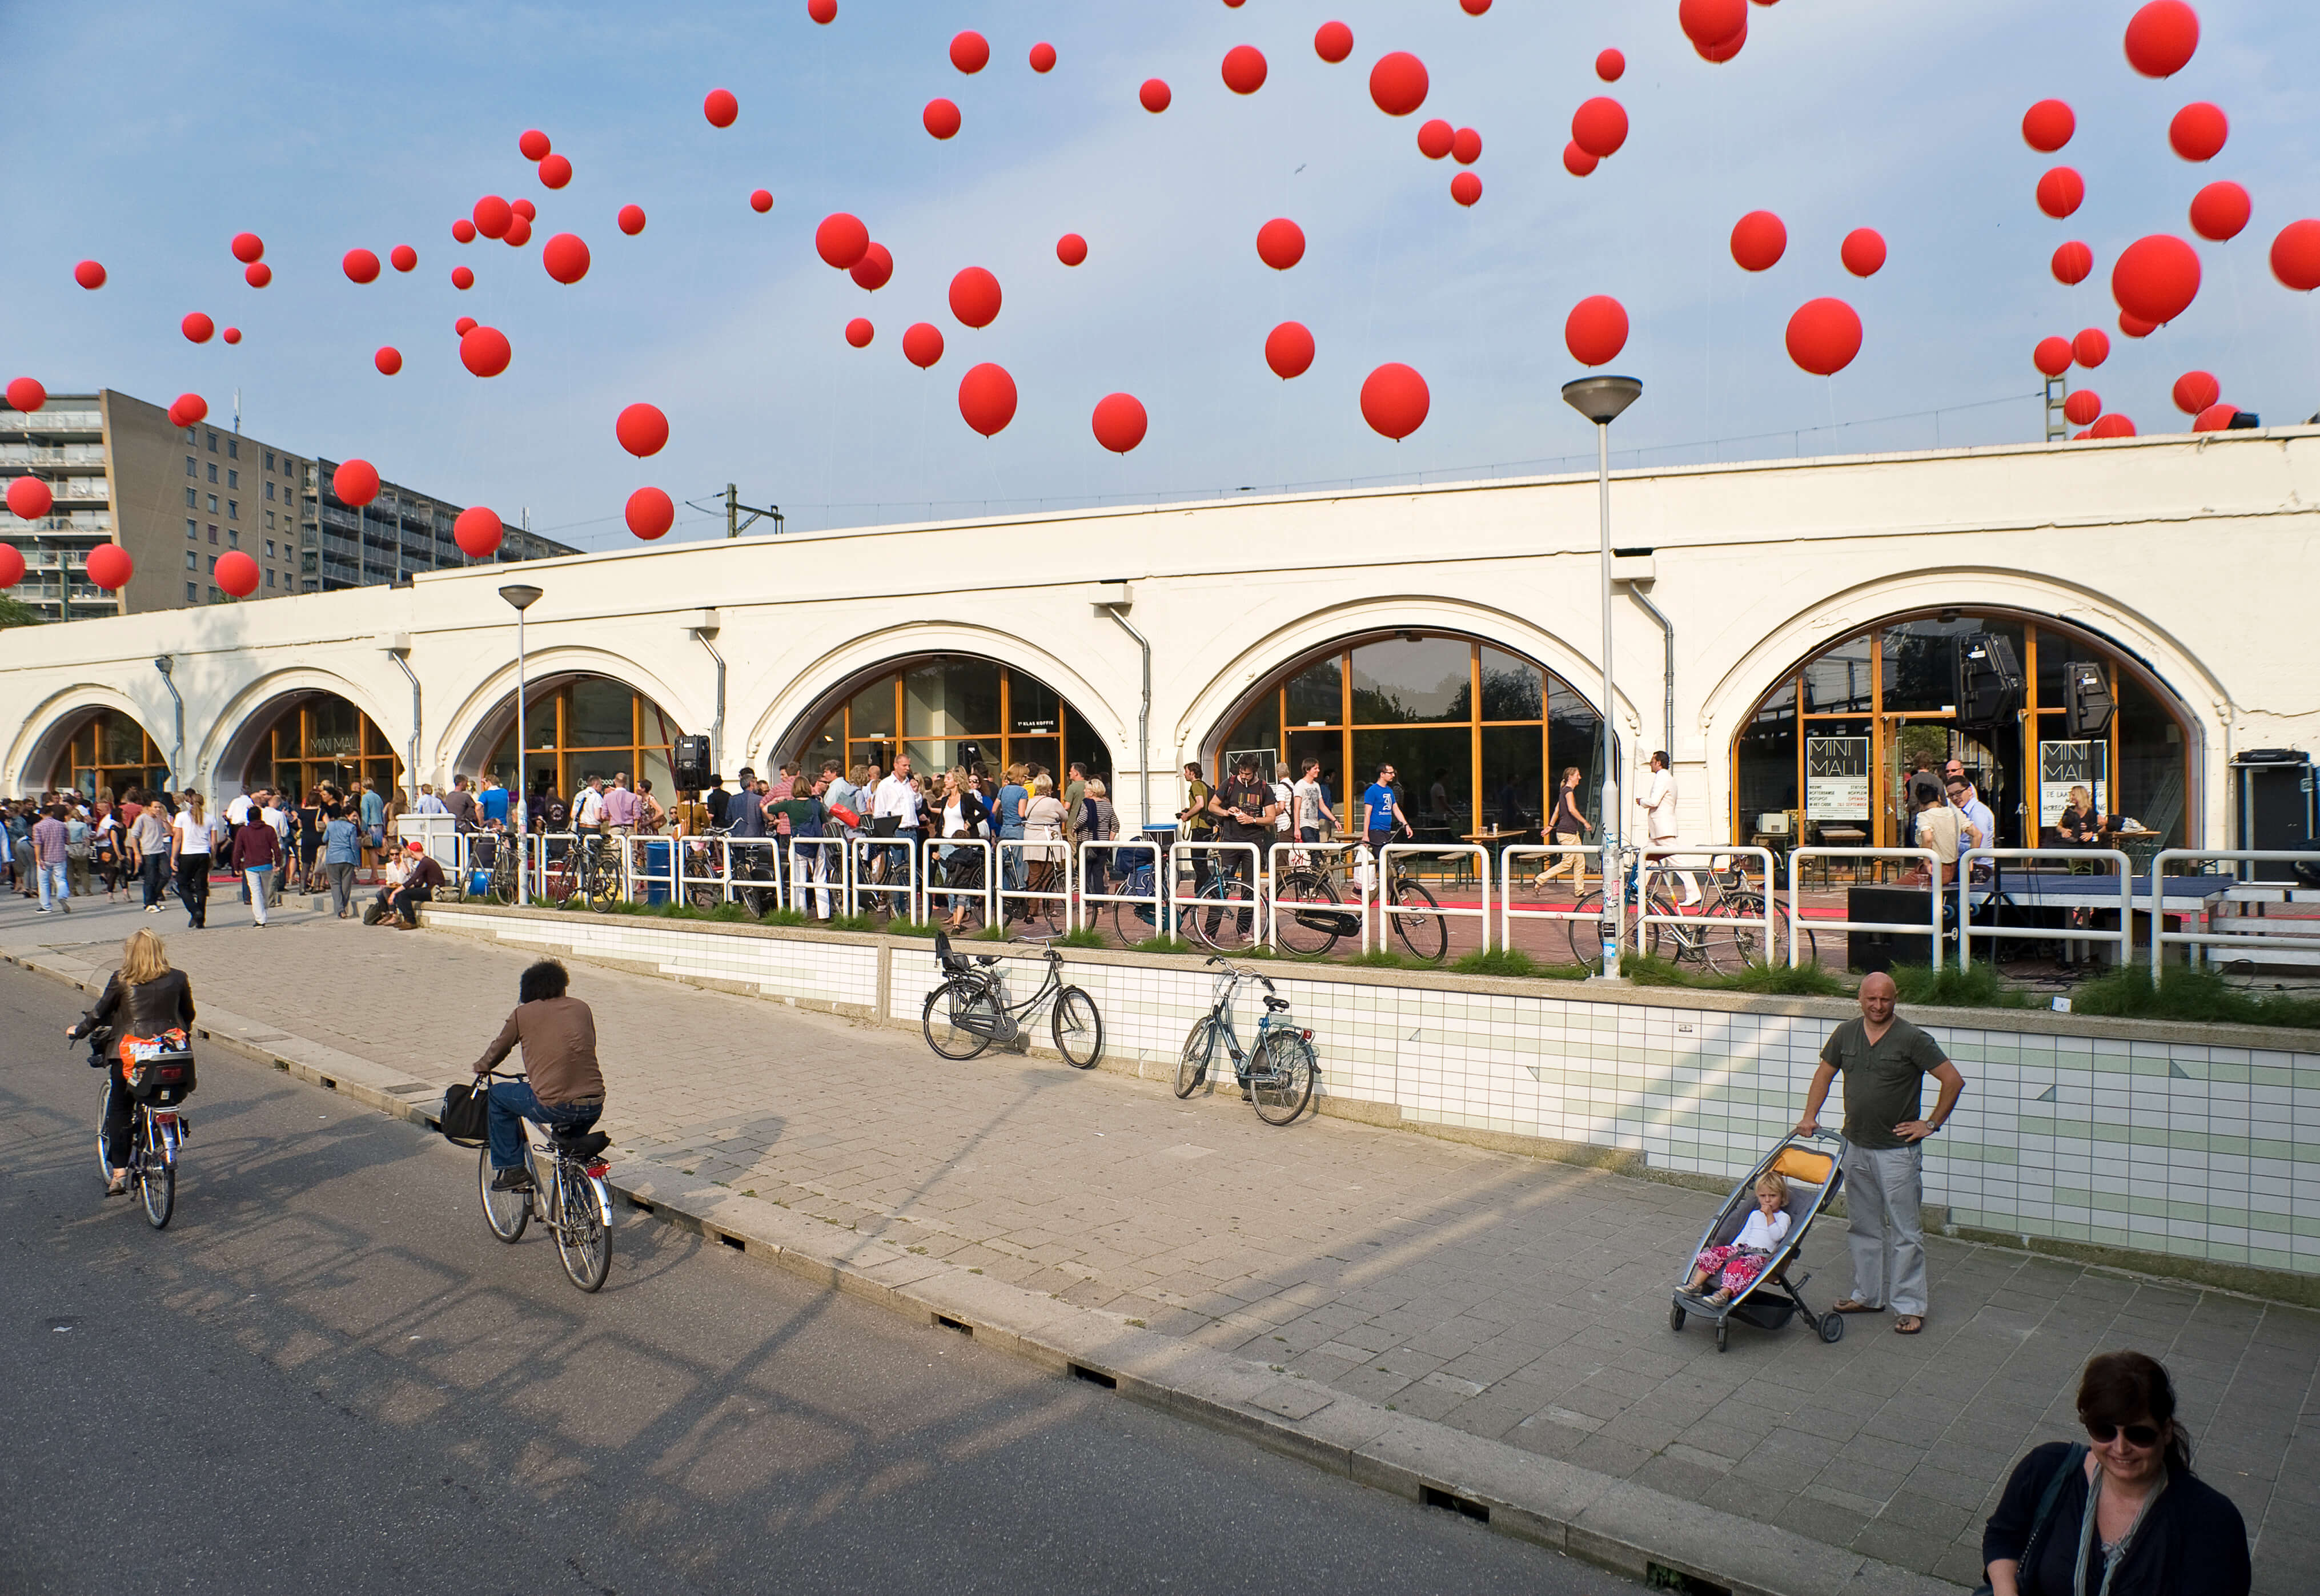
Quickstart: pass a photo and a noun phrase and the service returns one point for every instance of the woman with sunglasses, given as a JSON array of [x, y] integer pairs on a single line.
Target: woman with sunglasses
[[2120, 1514]]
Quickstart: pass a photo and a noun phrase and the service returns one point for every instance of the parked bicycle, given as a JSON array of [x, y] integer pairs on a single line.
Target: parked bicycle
[[1139, 876], [1276, 1076], [1751, 924], [969, 1010], [568, 1194], [1310, 922]]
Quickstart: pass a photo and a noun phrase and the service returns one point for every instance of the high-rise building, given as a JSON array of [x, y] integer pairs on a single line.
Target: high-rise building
[[179, 498]]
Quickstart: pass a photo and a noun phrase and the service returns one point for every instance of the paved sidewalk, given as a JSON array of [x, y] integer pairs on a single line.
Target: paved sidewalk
[[1514, 1299]]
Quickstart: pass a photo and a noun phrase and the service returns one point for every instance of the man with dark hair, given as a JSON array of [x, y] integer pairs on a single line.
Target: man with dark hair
[[1244, 809], [421, 876], [565, 1088]]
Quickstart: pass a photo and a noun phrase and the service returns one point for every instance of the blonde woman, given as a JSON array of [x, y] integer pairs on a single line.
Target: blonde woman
[[1045, 850], [144, 999]]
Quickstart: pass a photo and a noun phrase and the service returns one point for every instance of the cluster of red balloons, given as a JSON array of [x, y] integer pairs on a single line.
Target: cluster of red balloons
[[1597, 129], [1718, 29]]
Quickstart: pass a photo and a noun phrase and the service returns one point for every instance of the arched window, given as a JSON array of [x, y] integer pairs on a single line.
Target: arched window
[[1473, 730], [937, 707], [321, 737], [113, 751], [589, 726]]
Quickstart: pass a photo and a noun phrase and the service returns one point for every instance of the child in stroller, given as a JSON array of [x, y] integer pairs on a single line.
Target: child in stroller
[[1739, 1261]]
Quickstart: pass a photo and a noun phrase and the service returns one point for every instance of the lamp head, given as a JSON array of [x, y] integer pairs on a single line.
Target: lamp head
[[522, 595], [1601, 399]]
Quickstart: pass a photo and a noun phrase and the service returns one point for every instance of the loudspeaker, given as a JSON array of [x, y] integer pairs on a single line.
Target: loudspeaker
[[2087, 705], [1869, 952], [1988, 680], [689, 758]]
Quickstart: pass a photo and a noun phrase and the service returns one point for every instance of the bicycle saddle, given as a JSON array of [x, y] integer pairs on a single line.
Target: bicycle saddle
[[585, 1144], [1276, 1004], [986, 959]]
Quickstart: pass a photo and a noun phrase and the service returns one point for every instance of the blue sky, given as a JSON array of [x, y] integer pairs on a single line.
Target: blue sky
[[152, 133]]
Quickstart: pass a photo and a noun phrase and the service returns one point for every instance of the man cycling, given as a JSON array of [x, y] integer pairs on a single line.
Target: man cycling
[[565, 1090]]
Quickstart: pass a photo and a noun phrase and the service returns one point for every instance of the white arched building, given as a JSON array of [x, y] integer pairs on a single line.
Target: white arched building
[[1812, 611]]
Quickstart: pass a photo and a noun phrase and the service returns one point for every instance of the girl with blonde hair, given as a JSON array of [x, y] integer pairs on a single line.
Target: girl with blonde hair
[[144, 1000]]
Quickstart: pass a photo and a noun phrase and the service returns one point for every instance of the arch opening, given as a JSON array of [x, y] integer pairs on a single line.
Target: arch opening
[[105, 749], [946, 709], [577, 726], [309, 737]]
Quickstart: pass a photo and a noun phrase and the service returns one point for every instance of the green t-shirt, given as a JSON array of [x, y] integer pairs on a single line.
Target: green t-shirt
[[1884, 1082]]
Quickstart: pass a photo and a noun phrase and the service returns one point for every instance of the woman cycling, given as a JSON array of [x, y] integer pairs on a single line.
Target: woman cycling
[[144, 999]]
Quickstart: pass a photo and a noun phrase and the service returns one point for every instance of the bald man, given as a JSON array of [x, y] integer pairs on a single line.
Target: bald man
[[1884, 1059]]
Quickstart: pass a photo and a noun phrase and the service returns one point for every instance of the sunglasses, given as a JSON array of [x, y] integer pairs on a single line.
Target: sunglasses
[[2141, 1437]]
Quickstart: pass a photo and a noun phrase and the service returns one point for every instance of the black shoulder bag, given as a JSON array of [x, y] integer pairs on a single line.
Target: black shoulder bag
[[466, 1114], [2075, 1458]]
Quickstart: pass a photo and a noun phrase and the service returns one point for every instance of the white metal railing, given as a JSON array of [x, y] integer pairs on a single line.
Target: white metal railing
[[1509, 913], [1107, 852], [2198, 942], [714, 854], [1931, 929], [2124, 937], [817, 867], [1388, 910], [948, 851], [1184, 863], [559, 858], [1289, 857], [1044, 866], [870, 861], [1653, 865]]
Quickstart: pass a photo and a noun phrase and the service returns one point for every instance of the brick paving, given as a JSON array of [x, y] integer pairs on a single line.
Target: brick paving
[[1509, 1297]]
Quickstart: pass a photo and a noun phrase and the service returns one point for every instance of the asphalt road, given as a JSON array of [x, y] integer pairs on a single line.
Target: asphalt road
[[326, 1376]]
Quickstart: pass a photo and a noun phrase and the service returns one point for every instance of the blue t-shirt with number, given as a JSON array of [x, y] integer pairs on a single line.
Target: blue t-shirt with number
[[1379, 800]]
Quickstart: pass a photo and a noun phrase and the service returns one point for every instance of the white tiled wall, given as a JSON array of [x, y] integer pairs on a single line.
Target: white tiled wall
[[782, 968]]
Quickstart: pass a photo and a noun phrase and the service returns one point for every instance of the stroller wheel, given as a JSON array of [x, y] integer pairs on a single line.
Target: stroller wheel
[[1723, 1329], [1675, 1316], [1832, 1327]]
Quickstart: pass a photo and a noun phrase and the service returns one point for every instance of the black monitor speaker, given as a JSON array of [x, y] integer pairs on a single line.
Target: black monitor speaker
[[2087, 707], [690, 759], [1988, 680]]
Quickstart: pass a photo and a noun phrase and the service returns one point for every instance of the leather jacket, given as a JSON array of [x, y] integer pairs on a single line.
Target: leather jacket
[[147, 1010]]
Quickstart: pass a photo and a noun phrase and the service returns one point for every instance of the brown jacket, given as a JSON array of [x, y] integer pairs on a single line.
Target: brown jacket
[[560, 1050]]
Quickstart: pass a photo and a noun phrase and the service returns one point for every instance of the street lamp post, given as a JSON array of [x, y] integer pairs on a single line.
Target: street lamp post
[[523, 596], [1601, 399]]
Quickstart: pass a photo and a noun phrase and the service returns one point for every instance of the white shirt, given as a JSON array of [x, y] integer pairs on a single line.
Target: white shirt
[[590, 809], [1657, 801], [193, 835], [1307, 796], [1285, 796], [237, 812], [278, 820], [1761, 1236], [899, 798], [428, 804]]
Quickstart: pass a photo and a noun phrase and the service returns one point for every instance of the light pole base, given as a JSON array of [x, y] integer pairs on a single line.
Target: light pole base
[[1604, 980]]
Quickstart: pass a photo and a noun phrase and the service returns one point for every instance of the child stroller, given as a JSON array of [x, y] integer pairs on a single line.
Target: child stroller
[[1814, 1175]]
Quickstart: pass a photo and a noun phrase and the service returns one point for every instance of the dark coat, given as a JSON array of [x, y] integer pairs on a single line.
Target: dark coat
[[2193, 1543]]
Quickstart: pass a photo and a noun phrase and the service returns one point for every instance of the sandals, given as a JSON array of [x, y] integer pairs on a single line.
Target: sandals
[[1852, 1305], [1908, 1324]]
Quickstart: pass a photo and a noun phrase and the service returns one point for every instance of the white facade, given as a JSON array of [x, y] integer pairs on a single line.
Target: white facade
[[2199, 557]]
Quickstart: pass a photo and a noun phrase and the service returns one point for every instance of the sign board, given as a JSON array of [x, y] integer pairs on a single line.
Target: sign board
[[1836, 777], [2064, 764]]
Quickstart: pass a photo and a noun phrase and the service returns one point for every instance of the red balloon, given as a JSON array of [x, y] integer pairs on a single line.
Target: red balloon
[[360, 267], [1596, 330], [29, 498], [2111, 426], [237, 574], [188, 408], [403, 257], [476, 530], [2061, 191], [2135, 326], [249, 248], [89, 273], [485, 351], [2195, 391], [1611, 66], [650, 513], [941, 118], [1863, 251], [1119, 422], [1710, 22], [1071, 249], [1466, 147], [841, 241], [824, 12], [11, 565], [198, 328], [2220, 210], [533, 145], [1244, 70], [1043, 57], [876, 269], [493, 216], [2048, 125], [642, 429], [987, 398], [2161, 38], [1759, 239], [1466, 188], [1600, 127], [231, 334], [26, 394], [1823, 336], [463, 326], [2072, 262], [258, 275], [1394, 401], [1153, 96], [1398, 83], [464, 231], [1333, 43], [2296, 256], [2091, 347], [462, 278], [2156, 278], [922, 344], [859, 332], [1435, 138], [760, 201], [2216, 418], [1578, 162], [2080, 409], [1720, 53], [555, 172], [519, 232], [2199, 132], [1474, 7], [354, 482], [1281, 243], [975, 297], [389, 360], [721, 108], [632, 220], [1289, 350], [969, 52], [565, 257], [525, 209], [2051, 356], [110, 566]]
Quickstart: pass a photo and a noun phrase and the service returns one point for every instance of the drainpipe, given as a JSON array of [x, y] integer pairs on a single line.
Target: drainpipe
[[177, 753], [1114, 602], [703, 623], [1667, 626], [398, 646]]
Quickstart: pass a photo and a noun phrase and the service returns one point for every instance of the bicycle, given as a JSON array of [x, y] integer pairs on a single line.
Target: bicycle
[[1134, 922], [969, 1010], [157, 1130], [505, 883], [1310, 929], [569, 1193], [1225, 913], [1732, 896], [1277, 1075]]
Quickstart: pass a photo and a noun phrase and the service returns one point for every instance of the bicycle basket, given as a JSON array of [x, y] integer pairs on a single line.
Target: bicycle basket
[[157, 1069]]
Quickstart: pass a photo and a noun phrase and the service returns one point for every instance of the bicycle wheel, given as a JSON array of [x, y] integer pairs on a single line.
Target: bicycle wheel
[[104, 1096], [1281, 1077], [1711, 947], [1749, 943], [1225, 917], [1078, 1028], [157, 1176], [1308, 915], [1193, 1063], [1426, 934], [582, 1241], [507, 1212], [503, 889], [959, 1019], [1134, 922], [1588, 937]]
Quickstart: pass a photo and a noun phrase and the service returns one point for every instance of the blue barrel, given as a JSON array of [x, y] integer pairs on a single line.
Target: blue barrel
[[656, 870]]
